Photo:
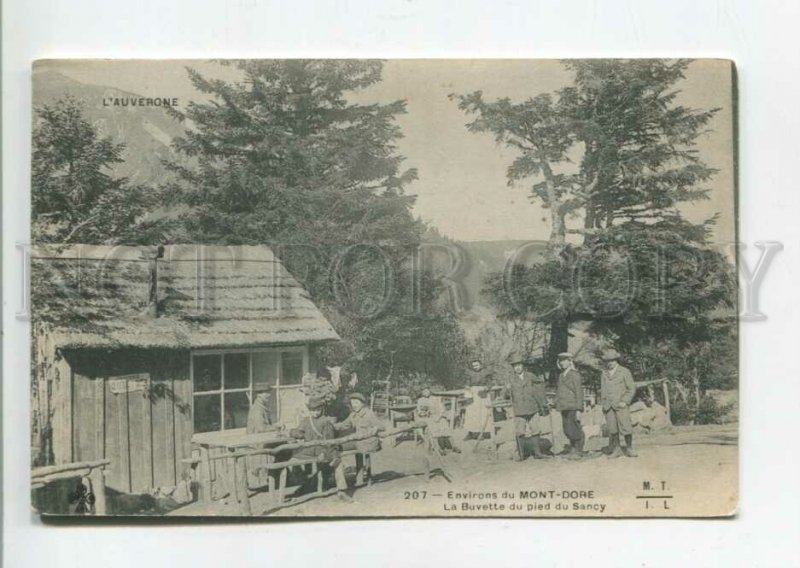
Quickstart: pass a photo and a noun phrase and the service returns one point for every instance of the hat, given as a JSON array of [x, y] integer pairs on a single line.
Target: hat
[[358, 396], [610, 355], [515, 358], [262, 389], [565, 355], [314, 403]]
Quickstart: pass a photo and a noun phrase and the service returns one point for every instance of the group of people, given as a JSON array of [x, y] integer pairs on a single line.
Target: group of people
[[316, 426], [529, 403]]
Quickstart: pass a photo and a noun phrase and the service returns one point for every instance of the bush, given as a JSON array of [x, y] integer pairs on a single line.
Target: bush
[[681, 413], [711, 412]]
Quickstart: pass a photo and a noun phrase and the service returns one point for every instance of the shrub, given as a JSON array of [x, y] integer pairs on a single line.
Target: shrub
[[710, 411]]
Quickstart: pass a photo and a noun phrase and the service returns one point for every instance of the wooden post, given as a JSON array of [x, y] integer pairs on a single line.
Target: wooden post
[[205, 475], [271, 486], [240, 467], [667, 405], [318, 470], [97, 478], [282, 485]]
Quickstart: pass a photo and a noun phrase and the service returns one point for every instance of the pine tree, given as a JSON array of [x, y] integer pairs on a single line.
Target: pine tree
[[75, 197], [611, 157], [283, 156]]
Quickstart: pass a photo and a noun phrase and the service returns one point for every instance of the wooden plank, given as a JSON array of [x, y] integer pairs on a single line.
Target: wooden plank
[[240, 475], [141, 448], [100, 418], [97, 477], [115, 477], [163, 457], [83, 418], [123, 422], [62, 423], [70, 468], [182, 413]]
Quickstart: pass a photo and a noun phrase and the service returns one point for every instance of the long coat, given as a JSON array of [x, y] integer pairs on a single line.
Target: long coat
[[569, 392], [527, 394], [258, 420], [616, 387]]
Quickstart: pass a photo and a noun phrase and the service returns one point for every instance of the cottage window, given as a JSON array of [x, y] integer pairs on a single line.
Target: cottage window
[[224, 381]]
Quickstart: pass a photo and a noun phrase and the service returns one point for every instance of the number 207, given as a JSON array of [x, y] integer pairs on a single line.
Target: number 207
[[414, 495]]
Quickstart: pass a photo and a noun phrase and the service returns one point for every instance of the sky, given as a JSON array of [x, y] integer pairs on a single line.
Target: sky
[[462, 188]]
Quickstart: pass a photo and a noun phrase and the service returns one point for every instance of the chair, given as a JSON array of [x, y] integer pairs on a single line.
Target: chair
[[379, 399], [402, 416]]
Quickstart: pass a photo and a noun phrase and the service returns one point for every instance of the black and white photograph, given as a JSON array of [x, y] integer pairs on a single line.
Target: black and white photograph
[[384, 288]]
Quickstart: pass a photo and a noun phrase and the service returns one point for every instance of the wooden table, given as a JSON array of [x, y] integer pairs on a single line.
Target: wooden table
[[453, 396], [231, 441]]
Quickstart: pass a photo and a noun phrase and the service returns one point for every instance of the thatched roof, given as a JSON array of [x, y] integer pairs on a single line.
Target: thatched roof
[[208, 296]]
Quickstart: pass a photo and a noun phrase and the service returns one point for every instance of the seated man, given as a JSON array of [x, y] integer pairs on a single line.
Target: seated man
[[258, 418], [431, 411], [315, 427], [361, 421]]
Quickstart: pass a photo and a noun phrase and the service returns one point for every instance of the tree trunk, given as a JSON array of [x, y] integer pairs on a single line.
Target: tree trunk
[[559, 342]]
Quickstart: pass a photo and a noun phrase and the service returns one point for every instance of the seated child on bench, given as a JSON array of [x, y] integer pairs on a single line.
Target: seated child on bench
[[431, 411], [315, 427], [362, 422]]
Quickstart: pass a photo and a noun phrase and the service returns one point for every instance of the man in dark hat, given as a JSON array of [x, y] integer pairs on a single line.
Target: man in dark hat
[[361, 421], [616, 393], [528, 400], [315, 427], [569, 401]]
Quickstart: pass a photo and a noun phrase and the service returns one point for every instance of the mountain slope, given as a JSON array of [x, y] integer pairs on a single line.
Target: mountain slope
[[147, 132]]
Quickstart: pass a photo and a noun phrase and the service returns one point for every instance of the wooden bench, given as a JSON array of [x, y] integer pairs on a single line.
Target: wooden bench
[[278, 488], [93, 472]]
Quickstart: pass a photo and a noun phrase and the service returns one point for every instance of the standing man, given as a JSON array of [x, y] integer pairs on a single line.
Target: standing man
[[616, 393], [528, 400], [569, 401]]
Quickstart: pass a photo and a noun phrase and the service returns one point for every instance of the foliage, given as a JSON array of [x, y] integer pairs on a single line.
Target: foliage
[[709, 411], [636, 145], [706, 411], [282, 156], [319, 388], [75, 199], [611, 157]]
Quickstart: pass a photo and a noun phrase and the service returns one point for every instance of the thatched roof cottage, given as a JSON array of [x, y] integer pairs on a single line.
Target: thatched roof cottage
[[137, 349]]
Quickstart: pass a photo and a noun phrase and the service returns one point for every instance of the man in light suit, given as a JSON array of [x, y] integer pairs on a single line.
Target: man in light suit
[[616, 393]]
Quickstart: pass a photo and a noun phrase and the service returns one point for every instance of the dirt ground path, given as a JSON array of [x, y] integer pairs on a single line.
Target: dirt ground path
[[689, 471]]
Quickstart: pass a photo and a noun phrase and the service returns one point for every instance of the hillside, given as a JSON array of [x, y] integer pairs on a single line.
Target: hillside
[[147, 132], [481, 258]]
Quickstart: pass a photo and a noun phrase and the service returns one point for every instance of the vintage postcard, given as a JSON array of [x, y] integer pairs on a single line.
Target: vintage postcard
[[404, 288]]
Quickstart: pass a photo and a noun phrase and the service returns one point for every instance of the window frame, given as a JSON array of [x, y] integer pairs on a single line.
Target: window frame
[[277, 387]]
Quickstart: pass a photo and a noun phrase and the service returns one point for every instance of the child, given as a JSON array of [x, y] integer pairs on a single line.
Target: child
[[315, 427], [431, 411], [361, 421]]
